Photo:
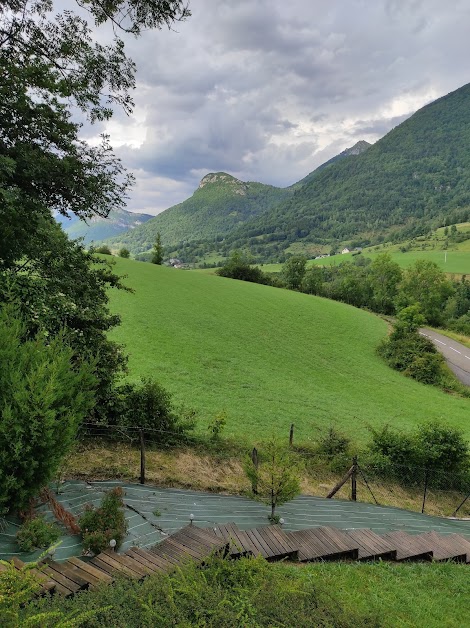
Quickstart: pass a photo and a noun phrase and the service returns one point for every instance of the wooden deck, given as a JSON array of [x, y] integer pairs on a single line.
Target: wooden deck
[[193, 544]]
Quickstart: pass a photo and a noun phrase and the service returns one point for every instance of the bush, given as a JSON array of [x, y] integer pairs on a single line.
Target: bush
[[217, 425], [149, 406], [222, 594], [238, 267], [407, 351], [426, 368], [103, 250], [440, 449], [124, 253], [36, 533], [100, 525]]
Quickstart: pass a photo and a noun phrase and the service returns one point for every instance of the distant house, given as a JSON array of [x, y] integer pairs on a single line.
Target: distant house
[[345, 250]]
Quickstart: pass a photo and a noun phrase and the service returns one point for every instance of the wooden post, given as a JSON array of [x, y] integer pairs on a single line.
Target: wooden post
[[142, 457], [426, 478], [354, 480], [254, 458], [291, 435], [336, 488]]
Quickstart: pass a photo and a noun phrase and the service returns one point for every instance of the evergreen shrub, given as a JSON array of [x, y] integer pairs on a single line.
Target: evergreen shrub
[[100, 525], [36, 533]]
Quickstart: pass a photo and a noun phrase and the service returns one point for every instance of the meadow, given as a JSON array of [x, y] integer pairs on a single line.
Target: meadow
[[267, 357]]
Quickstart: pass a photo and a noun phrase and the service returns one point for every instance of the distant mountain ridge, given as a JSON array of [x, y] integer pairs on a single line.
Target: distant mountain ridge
[[98, 228], [410, 181], [219, 205]]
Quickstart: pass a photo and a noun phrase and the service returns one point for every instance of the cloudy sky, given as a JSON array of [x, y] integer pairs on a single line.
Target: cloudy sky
[[267, 90]]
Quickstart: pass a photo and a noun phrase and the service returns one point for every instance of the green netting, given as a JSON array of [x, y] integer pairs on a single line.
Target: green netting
[[175, 507]]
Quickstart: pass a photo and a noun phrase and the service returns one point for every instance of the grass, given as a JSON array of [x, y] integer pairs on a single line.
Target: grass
[[268, 357], [399, 594], [456, 262], [222, 472]]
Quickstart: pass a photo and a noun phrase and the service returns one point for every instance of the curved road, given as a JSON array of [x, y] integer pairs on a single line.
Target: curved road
[[457, 355]]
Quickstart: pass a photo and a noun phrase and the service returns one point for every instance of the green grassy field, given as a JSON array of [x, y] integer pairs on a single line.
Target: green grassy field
[[266, 356], [454, 262]]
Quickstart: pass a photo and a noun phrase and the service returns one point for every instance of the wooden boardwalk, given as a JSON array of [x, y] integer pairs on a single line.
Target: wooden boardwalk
[[193, 544]]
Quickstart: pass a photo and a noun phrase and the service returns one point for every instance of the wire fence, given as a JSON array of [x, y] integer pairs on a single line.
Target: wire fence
[[421, 489]]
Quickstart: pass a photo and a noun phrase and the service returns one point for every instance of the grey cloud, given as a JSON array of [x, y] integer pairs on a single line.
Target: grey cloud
[[268, 90]]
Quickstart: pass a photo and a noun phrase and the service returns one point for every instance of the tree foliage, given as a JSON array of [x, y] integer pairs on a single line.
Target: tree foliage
[[157, 253], [44, 395], [293, 271], [277, 476]]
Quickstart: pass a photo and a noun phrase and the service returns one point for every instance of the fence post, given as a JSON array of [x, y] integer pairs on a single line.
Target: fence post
[[426, 478], [354, 480], [291, 435], [142, 457], [254, 458]]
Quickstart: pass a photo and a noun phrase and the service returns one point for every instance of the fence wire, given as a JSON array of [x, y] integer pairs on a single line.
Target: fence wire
[[420, 489]]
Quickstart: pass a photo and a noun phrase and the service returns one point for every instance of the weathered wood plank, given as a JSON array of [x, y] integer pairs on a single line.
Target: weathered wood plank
[[90, 569], [65, 582], [66, 571]]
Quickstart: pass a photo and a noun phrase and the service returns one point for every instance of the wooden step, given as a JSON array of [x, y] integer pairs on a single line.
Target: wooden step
[[323, 543], [445, 548], [371, 545], [409, 546]]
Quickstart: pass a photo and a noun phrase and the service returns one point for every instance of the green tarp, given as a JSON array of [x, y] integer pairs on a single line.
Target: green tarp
[[154, 512]]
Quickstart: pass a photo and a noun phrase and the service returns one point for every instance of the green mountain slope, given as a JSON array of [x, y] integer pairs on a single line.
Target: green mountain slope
[[268, 357], [407, 182], [219, 205], [98, 228], [357, 149]]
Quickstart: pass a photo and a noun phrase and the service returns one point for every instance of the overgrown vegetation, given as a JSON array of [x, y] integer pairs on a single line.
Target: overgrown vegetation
[[433, 448], [247, 592], [148, 406], [100, 525]]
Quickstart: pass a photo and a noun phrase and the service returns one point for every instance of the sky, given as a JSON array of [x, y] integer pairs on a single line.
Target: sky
[[267, 90]]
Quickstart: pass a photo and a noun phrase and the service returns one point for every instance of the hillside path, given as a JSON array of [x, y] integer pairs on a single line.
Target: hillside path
[[457, 355]]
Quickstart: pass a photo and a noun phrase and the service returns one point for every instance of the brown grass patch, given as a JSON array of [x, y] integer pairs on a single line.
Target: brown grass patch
[[188, 468]]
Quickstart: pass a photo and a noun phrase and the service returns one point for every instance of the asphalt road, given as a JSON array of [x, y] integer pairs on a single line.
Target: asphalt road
[[457, 355]]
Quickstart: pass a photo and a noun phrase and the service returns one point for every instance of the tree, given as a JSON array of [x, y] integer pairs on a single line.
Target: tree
[[125, 253], [61, 286], [44, 396], [157, 254], [277, 476], [425, 284], [238, 267], [51, 67], [384, 277], [293, 271]]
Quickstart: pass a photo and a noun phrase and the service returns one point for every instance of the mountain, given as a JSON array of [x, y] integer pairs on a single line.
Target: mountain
[[357, 149], [220, 204], [412, 180], [98, 228]]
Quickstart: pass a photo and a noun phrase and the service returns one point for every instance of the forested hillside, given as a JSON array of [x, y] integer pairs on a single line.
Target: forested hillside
[[219, 205], [414, 178]]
